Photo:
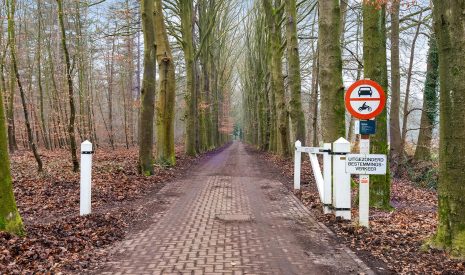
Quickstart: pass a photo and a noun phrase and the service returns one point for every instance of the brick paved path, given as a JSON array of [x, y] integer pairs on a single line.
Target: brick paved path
[[231, 217]]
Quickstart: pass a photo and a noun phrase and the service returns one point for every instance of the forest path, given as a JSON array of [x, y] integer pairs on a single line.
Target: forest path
[[230, 216]]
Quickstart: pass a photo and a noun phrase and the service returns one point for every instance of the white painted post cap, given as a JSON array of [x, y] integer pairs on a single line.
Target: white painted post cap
[[341, 146], [298, 144], [86, 146]]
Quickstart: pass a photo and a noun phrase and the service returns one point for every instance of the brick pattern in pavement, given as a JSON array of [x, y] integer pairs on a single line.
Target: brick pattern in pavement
[[232, 222]]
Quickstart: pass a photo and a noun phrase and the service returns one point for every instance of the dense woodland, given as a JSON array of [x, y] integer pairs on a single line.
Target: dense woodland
[[153, 74]]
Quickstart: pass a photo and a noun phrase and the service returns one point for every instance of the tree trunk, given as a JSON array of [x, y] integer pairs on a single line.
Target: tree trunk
[[330, 71], [72, 115], [394, 124], [11, 139], [11, 38], [111, 70], [351, 136], [43, 125], [148, 89], [314, 100], [10, 112], [294, 80], [190, 94], [407, 90], [10, 219], [449, 16], [273, 19], [166, 91], [430, 104], [375, 68]]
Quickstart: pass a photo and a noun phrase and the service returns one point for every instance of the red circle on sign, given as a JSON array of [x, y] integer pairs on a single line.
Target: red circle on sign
[[353, 88]]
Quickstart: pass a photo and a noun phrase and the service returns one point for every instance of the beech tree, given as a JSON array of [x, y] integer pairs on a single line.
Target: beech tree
[[375, 68], [69, 81], [294, 79], [330, 71], [394, 124], [147, 110], [10, 220], [185, 8], [430, 104], [274, 15], [11, 38], [166, 91], [449, 16]]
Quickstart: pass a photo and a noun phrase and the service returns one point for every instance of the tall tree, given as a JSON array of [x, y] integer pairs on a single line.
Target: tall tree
[[294, 79], [12, 42], [186, 14], [430, 104], [394, 124], [148, 89], [166, 90], [449, 17], [69, 80], [43, 125], [406, 111], [10, 220], [330, 71], [375, 68], [273, 14]]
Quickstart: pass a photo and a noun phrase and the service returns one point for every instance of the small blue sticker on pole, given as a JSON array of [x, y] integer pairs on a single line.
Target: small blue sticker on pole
[[367, 127]]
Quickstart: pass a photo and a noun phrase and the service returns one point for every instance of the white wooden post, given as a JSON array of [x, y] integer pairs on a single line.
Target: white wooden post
[[86, 178], [297, 163], [364, 187], [341, 179], [327, 170]]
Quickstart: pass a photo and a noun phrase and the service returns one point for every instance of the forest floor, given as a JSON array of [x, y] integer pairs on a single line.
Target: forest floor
[[396, 238], [57, 238], [231, 215]]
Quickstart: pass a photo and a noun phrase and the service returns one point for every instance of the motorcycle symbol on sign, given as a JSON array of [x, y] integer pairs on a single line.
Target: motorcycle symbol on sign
[[364, 107]]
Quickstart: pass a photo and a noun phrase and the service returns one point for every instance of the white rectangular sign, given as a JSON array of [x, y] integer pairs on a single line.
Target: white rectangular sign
[[311, 150], [363, 164]]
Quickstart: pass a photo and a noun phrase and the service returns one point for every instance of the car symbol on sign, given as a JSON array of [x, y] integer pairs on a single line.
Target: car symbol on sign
[[365, 91]]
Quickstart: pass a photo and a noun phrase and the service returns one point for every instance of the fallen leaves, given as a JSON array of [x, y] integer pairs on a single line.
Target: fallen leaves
[[58, 239], [397, 237]]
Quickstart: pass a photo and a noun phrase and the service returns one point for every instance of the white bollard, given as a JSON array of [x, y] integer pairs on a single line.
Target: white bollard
[[327, 177], [364, 188], [297, 163], [86, 178], [341, 179]]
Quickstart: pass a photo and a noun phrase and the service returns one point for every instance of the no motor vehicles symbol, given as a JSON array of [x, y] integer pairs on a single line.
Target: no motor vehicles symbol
[[365, 99]]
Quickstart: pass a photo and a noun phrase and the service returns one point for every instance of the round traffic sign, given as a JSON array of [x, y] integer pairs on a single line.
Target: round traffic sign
[[365, 99]]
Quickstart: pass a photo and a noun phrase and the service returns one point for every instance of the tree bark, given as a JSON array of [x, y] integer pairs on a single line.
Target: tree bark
[[186, 9], [430, 104], [111, 71], [294, 79], [375, 68], [166, 91], [273, 19], [148, 89], [45, 130], [330, 71], [10, 113], [69, 78], [449, 16], [11, 38], [10, 219], [394, 123], [407, 90], [314, 100]]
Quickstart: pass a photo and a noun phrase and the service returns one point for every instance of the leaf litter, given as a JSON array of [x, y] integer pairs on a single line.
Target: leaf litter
[[57, 239], [396, 239]]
